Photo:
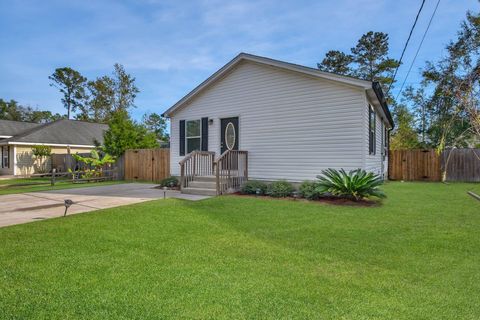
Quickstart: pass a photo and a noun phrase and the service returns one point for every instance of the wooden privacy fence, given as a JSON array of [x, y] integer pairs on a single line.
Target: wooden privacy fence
[[427, 165], [414, 165], [462, 164], [147, 164]]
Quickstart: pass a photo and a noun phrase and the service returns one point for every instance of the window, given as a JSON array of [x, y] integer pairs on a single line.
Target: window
[[230, 136], [5, 157], [371, 130], [193, 136]]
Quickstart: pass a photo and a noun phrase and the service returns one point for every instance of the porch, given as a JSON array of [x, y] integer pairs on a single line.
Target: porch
[[201, 173]]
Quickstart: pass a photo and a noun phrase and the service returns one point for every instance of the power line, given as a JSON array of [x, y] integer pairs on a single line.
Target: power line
[[406, 45], [418, 49]]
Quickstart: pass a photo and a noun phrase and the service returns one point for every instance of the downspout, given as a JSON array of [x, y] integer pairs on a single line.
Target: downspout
[[388, 149]]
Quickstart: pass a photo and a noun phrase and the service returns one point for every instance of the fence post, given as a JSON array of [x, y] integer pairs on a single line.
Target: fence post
[[52, 182]]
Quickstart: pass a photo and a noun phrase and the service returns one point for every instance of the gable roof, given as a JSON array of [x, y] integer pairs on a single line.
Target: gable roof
[[10, 128], [61, 132], [373, 89]]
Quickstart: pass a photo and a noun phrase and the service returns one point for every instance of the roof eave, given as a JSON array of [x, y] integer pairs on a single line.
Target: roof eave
[[20, 143], [377, 89]]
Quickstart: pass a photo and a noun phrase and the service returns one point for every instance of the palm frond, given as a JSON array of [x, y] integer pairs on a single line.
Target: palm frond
[[356, 184]]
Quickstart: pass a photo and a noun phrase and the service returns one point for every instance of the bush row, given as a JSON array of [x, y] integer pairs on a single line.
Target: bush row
[[355, 185], [170, 182], [278, 189]]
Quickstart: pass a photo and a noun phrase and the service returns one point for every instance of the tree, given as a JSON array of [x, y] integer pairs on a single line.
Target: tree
[[336, 62], [123, 133], [368, 60], [99, 104], [12, 110], [417, 97], [42, 116], [371, 58], [95, 163], [467, 90], [72, 85], [107, 95], [404, 136], [41, 153], [447, 101], [125, 89], [156, 124]]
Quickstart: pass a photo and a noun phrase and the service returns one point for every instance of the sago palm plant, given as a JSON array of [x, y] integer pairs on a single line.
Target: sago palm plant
[[356, 184]]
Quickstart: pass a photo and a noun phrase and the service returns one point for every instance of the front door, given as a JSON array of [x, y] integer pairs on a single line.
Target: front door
[[229, 134]]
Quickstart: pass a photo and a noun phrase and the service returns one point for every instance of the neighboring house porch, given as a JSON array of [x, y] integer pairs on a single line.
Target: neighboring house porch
[[62, 136]]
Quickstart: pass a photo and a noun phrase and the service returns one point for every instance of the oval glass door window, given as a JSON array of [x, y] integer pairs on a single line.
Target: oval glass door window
[[230, 136]]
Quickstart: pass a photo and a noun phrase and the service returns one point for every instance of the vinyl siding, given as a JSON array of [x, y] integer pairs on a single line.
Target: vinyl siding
[[292, 125]]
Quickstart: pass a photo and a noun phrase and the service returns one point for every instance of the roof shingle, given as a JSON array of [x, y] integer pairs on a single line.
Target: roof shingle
[[63, 131], [12, 128]]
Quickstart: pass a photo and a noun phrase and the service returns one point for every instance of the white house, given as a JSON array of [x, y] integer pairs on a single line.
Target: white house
[[290, 122]]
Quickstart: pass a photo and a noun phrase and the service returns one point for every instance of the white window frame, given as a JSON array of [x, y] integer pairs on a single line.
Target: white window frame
[[192, 137]]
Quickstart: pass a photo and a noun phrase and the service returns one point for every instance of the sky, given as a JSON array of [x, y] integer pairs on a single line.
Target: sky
[[172, 46]]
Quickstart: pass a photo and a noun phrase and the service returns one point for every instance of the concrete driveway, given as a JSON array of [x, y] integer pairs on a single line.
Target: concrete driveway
[[34, 206]]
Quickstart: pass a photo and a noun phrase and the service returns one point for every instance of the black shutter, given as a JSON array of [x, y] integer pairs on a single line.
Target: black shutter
[[372, 143], [182, 137], [374, 139], [369, 129], [8, 155], [204, 134]]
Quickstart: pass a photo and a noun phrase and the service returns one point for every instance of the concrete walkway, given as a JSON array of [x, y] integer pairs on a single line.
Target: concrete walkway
[[34, 206]]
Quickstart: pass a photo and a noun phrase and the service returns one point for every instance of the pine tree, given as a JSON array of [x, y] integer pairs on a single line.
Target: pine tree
[[368, 60], [72, 85]]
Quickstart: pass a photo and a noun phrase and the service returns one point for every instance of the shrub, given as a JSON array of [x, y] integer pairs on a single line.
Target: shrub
[[280, 189], [356, 184], [95, 163], [308, 190], [170, 182], [250, 187], [41, 153]]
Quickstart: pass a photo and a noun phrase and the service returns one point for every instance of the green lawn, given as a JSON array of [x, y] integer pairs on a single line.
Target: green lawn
[[415, 257], [21, 185]]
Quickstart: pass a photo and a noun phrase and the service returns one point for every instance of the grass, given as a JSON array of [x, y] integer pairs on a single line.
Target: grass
[[21, 185], [414, 257]]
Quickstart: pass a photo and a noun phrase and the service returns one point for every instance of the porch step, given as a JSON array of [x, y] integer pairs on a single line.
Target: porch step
[[205, 179], [203, 184], [200, 191]]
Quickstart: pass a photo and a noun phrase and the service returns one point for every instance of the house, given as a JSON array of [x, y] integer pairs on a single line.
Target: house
[[262, 119], [63, 136]]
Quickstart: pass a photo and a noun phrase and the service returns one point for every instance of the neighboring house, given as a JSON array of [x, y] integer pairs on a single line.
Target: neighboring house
[[293, 121], [63, 136]]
